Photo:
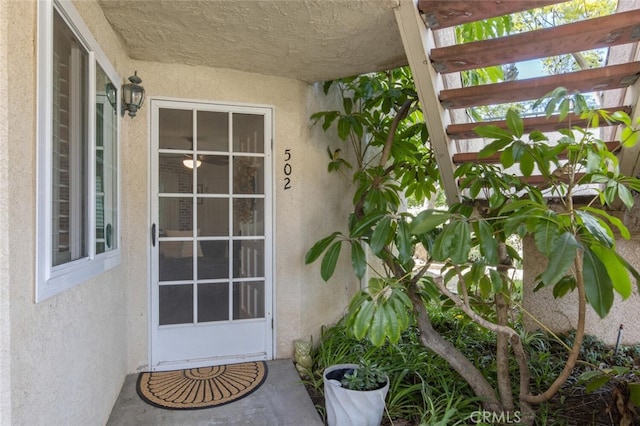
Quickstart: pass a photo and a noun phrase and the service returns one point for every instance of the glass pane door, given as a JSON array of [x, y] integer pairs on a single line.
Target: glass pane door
[[211, 285]]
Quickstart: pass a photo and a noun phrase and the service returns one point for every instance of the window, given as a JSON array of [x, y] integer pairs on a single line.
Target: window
[[77, 203]]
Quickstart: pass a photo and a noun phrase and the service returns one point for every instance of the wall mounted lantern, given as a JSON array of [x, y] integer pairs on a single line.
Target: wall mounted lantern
[[132, 95]]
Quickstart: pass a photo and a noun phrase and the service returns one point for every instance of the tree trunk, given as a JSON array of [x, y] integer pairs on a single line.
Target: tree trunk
[[502, 339], [431, 339], [502, 354]]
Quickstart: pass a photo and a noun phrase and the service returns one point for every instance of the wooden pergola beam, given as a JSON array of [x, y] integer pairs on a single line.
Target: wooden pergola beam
[[449, 13], [466, 130], [585, 81], [473, 157], [596, 33]]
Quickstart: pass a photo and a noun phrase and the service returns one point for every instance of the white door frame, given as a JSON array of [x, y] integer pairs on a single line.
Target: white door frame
[[269, 317]]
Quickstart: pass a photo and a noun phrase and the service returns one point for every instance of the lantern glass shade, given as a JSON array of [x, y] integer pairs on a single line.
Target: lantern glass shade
[[111, 94], [133, 95]]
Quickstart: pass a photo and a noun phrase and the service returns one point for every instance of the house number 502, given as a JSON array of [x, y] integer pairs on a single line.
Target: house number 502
[[287, 169]]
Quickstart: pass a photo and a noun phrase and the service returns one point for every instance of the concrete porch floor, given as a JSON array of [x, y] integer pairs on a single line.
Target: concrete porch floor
[[282, 400]]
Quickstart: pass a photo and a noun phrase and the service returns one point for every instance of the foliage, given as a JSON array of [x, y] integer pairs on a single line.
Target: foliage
[[370, 104], [423, 387], [381, 121], [367, 376], [595, 379]]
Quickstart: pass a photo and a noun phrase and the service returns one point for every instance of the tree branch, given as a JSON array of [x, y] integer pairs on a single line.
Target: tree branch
[[502, 340], [431, 339], [402, 113], [502, 354], [472, 314], [577, 343]]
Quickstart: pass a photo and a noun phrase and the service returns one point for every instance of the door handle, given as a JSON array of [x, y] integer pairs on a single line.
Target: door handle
[[153, 235], [108, 235]]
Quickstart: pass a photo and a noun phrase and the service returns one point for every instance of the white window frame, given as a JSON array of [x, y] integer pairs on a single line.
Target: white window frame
[[52, 280]]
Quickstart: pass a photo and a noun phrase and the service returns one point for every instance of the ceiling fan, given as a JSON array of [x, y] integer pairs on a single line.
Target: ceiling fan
[[190, 162]]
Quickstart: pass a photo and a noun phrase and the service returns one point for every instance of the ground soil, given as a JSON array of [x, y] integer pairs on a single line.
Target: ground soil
[[607, 405]]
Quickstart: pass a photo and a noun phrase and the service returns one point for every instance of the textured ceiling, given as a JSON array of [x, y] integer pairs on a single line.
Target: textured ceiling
[[309, 40]]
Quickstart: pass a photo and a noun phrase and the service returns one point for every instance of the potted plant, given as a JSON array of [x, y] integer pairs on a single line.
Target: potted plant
[[354, 394]]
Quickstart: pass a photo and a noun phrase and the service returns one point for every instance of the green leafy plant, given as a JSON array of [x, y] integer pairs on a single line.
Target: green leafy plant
[[594, 379], [625, 395], [382, 123], [366, 376]]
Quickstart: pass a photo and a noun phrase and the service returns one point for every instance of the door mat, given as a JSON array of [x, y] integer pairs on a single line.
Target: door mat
[[203, 387]]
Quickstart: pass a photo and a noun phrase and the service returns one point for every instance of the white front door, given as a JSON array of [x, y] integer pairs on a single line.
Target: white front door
[[211, 225]]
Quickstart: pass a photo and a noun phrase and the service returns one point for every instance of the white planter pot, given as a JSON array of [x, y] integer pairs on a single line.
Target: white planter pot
[[346, 407]]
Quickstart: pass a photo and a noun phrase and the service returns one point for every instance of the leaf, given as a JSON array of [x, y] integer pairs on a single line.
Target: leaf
[[538, 136], [392, 325], [347, 104], [442, 244], [485, 286], [362, 320], [589, 375], [493, 147], [625, 195], [564, 286], [634, 393], [320, 246], [564, 253], [596, 383], [329, 118], [624, 231], [476, 272], [344, 128], [403, 241], [618, 274], [597, 284], [519, 148], [526, 164], [514, 205], [621, 117], [506, 158], [630, 268], [629, 137], [365, 224], [401, 312], [329, 261], [515, 123], [544, 235], [596, 229], [492, 132], [496, 280], [488, 244], [356, 125], [327, 85], [358, 259], [377, 330], [380, 235], [427, 220], [461, 243]]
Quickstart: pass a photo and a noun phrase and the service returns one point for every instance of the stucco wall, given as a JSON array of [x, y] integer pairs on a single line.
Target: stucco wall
[[67, 355], [561, 314], [64, 360], [313, 206], [5, 318]]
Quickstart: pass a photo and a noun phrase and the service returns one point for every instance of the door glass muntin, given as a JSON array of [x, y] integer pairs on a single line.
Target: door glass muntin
[[222, 181]]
